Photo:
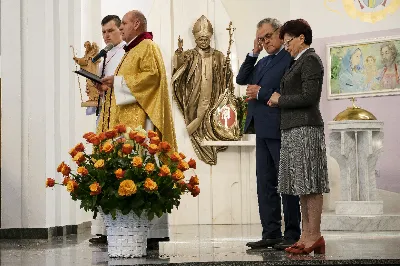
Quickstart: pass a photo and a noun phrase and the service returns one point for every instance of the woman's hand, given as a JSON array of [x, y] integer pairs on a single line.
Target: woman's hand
[[273, 101]]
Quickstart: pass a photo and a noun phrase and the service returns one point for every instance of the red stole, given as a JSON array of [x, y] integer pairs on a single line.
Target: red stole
[[138, 39]]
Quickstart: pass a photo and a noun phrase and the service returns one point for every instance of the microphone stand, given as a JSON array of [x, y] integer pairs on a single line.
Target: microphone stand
[[102, 76]]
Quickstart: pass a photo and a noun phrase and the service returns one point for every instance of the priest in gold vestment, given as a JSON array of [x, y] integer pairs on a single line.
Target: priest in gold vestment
[[198, 82], [137, 94]]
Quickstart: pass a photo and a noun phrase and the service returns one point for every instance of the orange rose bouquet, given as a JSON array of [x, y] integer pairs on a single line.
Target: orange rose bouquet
[[129, 170]]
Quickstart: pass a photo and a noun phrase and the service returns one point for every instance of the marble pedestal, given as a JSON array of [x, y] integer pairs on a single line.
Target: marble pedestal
[[356, 146]]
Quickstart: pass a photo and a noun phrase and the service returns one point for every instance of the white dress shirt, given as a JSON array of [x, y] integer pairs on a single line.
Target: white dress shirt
[[113, 58]]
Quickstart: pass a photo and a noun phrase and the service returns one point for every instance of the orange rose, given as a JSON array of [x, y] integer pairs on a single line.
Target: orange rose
[[95, 140], [155, 140], [181, 184], [183, 156], [65, 181], [194, 180], [151, 134], [99, 164], [164, 171], [195, 191], [82, 171], [88, 135], [150, 185], [144, 145], [60, 166], [65, 170], [79, 157], [183, 166], [120, 128], [127, 188], [95, 189], [178, 175], [102, 136], [192, 163], [121, 140], [140, 138], [71, 185], [175, 157], [119, 173], [127, 148], [111, 134], [107, 147], [153, 149], [79, 147], [165, 147], [149, 167], [189, 187], [50, 182], [137, 161], [132, 134], [72, 152]]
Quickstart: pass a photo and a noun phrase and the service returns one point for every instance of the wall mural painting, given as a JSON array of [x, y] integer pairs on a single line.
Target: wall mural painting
[[364, 68], [370, 11]]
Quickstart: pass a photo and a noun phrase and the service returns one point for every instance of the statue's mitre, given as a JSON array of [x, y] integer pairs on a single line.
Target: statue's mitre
[[202, 28]]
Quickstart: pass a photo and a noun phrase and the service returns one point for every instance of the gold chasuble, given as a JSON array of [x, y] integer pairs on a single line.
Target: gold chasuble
[[143, 70]]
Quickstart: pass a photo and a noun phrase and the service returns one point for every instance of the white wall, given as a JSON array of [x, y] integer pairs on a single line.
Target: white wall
[[329, 18], [40, 105], [246, 14]]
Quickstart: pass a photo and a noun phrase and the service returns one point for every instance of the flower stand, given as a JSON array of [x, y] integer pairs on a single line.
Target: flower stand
[[126, 235]]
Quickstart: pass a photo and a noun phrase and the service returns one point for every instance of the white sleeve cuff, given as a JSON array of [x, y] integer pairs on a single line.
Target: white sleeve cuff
[[123, 94]]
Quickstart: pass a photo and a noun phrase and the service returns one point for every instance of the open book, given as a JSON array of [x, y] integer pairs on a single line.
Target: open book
[[89, 75]]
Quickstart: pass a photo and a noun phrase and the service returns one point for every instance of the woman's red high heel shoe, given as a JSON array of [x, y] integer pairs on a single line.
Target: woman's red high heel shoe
[[296, 245], [318, 247]]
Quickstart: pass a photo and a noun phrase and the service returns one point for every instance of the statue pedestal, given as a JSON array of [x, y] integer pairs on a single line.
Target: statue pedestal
[[246, 140], [356, 146]]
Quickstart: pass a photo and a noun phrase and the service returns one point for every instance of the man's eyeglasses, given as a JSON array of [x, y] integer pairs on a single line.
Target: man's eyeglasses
[[267, 36], [286, 44]]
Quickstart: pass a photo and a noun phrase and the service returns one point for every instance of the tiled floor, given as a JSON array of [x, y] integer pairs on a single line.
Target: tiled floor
[[221, 244]]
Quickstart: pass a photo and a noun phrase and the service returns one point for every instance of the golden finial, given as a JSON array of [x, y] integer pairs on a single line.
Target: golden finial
[[353, 100]]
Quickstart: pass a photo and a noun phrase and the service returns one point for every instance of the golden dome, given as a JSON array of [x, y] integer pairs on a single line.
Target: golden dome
[[354, 113]]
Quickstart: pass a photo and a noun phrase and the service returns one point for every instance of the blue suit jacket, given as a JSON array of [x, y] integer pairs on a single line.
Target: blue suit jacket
[[266, 119]]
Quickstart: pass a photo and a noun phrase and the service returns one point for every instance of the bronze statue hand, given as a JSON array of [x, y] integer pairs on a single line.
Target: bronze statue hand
[[180, 44]]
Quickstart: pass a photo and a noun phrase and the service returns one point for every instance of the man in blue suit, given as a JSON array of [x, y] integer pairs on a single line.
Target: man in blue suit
[[263, 79]]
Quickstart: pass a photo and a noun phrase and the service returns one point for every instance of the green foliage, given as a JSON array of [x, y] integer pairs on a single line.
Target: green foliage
[[242, 112]]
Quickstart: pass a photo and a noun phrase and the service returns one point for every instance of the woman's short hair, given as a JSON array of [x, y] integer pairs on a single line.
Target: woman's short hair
[[295, 28]]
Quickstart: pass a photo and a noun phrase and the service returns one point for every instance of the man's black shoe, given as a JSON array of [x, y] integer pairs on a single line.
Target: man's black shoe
[[286, 242], [264, 243], [102, 239], [153, 243]]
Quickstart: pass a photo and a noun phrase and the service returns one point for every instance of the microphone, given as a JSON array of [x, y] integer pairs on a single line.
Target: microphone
[[103, 52]]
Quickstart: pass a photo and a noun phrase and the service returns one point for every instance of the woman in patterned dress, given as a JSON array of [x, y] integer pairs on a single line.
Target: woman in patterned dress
[[303, 163]]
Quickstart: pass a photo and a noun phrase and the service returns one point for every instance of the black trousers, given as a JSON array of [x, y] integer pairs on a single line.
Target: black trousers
[[269, 200]]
